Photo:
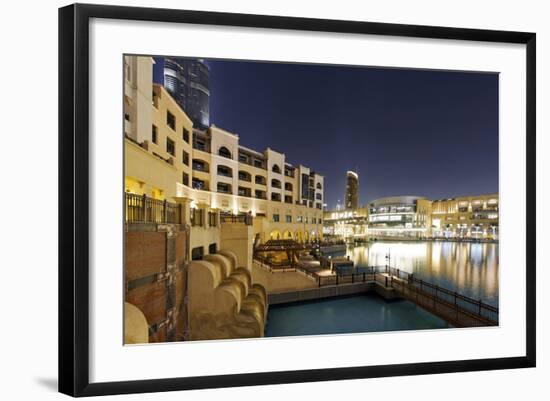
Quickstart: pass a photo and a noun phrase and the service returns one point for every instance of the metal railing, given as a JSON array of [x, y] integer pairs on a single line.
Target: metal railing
[[440, 295], [366, 275], [143, 209], [454, 307], [273, 266], [236, 218]]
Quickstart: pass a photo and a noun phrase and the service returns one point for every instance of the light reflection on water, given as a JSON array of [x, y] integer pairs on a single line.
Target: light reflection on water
[[471, 269]]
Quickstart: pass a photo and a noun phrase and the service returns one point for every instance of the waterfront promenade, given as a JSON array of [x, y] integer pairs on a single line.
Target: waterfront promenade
[[297, 284], [281, 281]]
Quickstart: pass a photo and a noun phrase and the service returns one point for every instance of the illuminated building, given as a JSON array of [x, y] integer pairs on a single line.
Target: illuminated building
[[399, 216], [413, 217], [187, 81], [466, 217], [352, 190], [209, 172], [346, 224]]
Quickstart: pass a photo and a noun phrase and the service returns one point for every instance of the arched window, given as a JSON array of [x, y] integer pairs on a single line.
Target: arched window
[[275, 183], [276, 169], [244, 176], [260, 179], [200, 165], [288, 186], [319, 186], [224, 152], [225, 171]]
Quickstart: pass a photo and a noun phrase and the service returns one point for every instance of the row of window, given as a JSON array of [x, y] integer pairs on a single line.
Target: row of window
[[225, 188], [222, 151], [242, 191], [299, 219], [171, 122], [225, 171], [476, 216], [198, 252], [200, 165], [170, 144]]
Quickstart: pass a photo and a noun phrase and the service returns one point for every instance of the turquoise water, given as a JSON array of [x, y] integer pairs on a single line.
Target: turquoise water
[[353, 314], [471, 269]]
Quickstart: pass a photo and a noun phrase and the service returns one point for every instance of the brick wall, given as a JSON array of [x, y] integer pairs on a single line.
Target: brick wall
[[155, 263]]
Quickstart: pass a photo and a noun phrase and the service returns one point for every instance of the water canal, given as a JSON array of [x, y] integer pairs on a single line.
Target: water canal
[[471, 269], [352, 314]]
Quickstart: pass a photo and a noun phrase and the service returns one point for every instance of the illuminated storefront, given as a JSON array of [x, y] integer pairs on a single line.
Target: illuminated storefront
[[399, 216]]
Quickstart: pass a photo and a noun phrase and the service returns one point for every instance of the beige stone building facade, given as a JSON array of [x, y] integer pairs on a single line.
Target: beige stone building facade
[[209, 172]]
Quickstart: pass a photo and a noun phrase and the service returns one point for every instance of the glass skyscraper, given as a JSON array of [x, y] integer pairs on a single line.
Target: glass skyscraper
[[352, 190], [187, 81]]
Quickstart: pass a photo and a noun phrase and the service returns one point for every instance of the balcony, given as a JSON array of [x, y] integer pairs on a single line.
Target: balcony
[[251, 160], [224, 188], [225, 171], [200, 165], [484, 216], [143, 209], [244, 176], [244, 192], [200, 185], [201, 143], [243, 218], [259, 180]]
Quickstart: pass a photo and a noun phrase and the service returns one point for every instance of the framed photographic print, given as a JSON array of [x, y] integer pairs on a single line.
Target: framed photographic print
[[250, 199]]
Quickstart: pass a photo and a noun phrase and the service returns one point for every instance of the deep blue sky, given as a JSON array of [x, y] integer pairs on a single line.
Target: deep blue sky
[[407, 132]]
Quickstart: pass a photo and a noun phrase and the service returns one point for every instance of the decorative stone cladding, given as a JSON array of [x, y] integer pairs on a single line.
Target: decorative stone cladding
[[223, 301], [155, 263]]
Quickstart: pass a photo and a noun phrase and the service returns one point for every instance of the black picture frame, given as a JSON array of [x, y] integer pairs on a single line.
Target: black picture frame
[[74, 198]]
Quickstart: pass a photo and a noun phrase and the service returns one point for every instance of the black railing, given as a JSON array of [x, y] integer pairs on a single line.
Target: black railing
[[441, 294], [236, 218], [454, 307], [143, 209], [363, 276]]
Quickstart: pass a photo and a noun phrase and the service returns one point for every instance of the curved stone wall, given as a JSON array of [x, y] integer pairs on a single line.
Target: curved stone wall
[[136, 328], [223, 301]]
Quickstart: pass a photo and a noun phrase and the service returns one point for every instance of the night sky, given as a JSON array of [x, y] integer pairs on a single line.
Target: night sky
[[406, 132]]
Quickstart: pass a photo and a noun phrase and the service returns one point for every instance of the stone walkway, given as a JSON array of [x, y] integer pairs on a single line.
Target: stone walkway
[[281, 281]]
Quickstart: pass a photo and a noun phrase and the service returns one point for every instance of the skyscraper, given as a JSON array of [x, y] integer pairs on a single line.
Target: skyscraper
[[352, 190], [187, 81]]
